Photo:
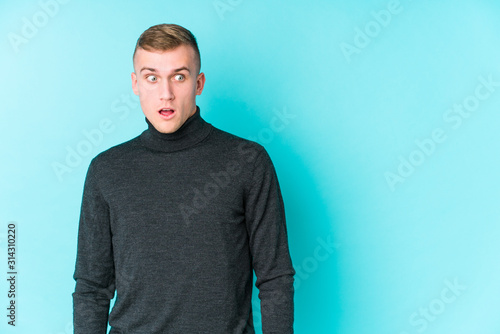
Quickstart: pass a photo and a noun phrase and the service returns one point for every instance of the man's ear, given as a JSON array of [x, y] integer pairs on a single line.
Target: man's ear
[[200, 83], [134, 84]]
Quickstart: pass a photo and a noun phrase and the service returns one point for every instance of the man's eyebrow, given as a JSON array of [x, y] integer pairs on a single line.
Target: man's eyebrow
[[183, 68], [147, 69]]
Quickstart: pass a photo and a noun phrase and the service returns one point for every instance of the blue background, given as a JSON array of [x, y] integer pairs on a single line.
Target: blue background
[[392, 229]]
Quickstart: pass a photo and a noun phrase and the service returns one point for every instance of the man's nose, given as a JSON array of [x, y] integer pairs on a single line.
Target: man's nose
[[166, 92]]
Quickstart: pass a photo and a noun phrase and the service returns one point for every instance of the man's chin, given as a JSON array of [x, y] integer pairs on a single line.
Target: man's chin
[[166, 128], [161, 125]]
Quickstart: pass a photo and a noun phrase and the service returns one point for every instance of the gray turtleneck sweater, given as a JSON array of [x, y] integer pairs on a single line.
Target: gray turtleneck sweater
[[176, 224]]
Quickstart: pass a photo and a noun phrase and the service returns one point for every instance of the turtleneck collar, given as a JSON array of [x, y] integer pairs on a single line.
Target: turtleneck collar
[[194, 130]]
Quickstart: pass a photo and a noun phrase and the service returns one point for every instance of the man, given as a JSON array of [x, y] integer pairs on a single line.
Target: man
[[178, 218]]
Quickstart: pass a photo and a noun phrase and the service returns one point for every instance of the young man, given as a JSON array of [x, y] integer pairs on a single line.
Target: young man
[[178, 218]]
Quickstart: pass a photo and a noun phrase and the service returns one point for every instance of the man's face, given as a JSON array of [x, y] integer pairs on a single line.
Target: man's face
[[167, 84]]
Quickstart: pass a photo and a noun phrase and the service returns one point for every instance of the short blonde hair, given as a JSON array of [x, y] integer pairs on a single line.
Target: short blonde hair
[[164, 37]]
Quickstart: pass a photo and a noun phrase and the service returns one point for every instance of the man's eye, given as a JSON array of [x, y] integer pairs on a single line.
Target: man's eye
[[151, 78], [179, 77]]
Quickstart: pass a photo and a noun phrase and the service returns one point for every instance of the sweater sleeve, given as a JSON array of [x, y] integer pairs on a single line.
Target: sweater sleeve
[[94, 269], [265, 218]]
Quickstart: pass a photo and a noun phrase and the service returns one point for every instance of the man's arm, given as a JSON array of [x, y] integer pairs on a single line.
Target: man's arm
[[94, 269], [265, 218]]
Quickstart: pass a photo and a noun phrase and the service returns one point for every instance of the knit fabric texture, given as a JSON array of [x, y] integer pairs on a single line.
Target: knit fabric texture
[[177, 224]]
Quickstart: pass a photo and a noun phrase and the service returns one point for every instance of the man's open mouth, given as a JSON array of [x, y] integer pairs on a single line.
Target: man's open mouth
[[166, 112]]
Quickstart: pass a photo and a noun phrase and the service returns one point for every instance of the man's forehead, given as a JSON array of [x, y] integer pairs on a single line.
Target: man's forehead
[[164, 61]]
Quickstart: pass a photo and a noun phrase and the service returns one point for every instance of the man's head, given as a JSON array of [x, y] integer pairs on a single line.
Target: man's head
[[167, 75]]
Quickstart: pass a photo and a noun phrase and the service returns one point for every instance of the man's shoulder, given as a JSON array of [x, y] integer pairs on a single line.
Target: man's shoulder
[[247, 154], [118, 151], [236, 144]]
